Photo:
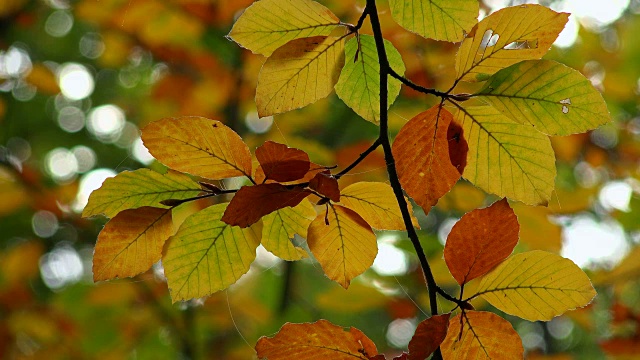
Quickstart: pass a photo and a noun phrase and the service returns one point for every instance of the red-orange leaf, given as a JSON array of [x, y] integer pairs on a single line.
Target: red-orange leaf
[[458, 146], [421, 150], [481, 240], [428, 336], [253, 202], [326, 185], [316, 341], [282, 163]]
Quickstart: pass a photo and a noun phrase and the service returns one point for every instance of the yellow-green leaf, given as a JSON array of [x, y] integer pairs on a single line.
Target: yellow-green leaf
[[345, 246], [299, 73], [281, 225], [507, 158], [359, 82], [552, 97], [268, 24], [506, 37], [207, 255], [447, 20], [376, 203], [134, 189], [131, 242], [536, 285], [198, 146]]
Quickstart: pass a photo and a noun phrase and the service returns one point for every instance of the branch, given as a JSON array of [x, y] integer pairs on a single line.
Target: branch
[[362, 156], [417, 87]]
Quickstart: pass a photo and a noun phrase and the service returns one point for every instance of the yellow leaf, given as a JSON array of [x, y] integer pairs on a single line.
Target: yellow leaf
[[19, 263], [134, 189], [198, 146], [536, 230], [130, 243], [627, 269], [281, 225], [484, 335], [506, 37], [376, 203], [44, 79], [508, 159], [299, 73], [207, 255], [345, 246], [552, 97], [268, 24], [446, 20], [536, 285]]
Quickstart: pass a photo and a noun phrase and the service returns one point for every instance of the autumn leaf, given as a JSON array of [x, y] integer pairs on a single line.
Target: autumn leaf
[[506, 37], [299, 73], [251, 203], [198, 146], [207, 255], [458, 146], [429, 334], [326, 185], [280, 226], [138, 188], [552, 97], [421, 151], [509, 159], [377, 205], [345, 246], [131, 243], [316, 341], [282, 163], [481, 240], [484, 335], [446, 20], [359, 82], [536, 285], [268, 24]]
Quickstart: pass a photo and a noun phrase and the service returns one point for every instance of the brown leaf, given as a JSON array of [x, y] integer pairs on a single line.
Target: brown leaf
[[314, 169], [326, 185], [282, 163], [251, 203], [458, 146], [481, 240], [428, 336], [316, 341], [422, 155]]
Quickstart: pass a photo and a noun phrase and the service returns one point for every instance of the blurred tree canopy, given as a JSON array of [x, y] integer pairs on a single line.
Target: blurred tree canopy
[[78, 79]]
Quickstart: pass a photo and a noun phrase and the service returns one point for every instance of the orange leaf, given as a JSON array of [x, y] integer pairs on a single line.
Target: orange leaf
[[131, 242], [428, 336], [282, 163], [484, 335], [326, 185], [421, 150], [314, 169], [316, 341], [481, 240], [251, 203]]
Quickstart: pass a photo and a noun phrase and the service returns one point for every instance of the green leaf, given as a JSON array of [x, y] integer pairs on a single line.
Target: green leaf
[[447, 20], [552, 97], [281, 225], [134, 189], [207, 255], [268, 24], [359, 82], [508, 159]]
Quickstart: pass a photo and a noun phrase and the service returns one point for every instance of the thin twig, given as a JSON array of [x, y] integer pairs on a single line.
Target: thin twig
[[362, 156], [417, 87]]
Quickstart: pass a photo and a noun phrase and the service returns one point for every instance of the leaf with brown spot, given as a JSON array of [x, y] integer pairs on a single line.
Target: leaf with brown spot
[[282, 163], [428, 336], [481, 240], [326, 185], [458, 146]]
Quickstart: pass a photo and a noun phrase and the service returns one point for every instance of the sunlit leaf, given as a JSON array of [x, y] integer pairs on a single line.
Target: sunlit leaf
[[421, 150], [198, 146], [429, 334], [536, 285], [268, 24], [326, 185], [134, 189], [537, 230], [345, 246], [552, 97], [299, 73], [359, 82], [280, 226], [207, 255], [508, 159], [376, 203], [131, 242], [481, 240], [316, 341], [484, 335], [506, 37], [282, 163], [446, 20]]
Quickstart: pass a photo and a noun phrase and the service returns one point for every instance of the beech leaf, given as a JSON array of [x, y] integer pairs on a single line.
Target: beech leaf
[[326, 185], [282, 163], [280, 226], [429, 334]]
